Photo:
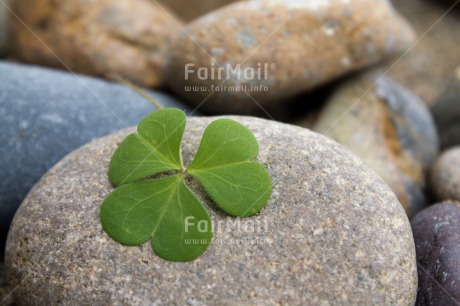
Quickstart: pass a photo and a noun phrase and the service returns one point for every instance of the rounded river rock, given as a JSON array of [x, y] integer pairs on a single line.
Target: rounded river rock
[[100, 38], [445, 175], [390, 128], [437, 240], [264, 52], [332, 232]]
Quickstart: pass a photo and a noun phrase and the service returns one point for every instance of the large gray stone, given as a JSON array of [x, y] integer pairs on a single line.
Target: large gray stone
[[331, 233], [45, 114]]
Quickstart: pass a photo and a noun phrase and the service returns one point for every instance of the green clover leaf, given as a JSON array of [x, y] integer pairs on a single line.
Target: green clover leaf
[[156, 148], [222, 165], [165, 210]]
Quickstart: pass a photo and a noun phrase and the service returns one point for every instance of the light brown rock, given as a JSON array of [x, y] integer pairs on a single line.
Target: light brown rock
[[331, 233], [445, 176], [125, 38], [389, 128], [297, 45]]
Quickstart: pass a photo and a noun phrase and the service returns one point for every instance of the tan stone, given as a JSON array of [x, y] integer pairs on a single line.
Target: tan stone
[[127, 38], [445, 176], [333, 234], [304, 43]]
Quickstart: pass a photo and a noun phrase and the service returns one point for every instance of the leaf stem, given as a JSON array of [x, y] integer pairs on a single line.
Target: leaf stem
[[137, 89]]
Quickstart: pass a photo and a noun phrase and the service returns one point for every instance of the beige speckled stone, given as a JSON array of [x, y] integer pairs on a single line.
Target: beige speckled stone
[[308, 42], [390, 128], [445, 176], [127, 38], [332, 233]]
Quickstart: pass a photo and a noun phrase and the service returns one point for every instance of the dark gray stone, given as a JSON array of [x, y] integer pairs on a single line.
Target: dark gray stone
[[437, 242], [45, 114]]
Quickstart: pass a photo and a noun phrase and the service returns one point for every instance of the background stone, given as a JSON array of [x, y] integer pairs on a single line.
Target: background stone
[[335, 234], [46, 114], [389, 128], [431, 63], [437, 240], [445, 176], [100, 38], [302, 44]]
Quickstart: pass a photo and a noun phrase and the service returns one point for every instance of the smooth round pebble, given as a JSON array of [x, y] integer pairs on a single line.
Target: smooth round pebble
[[331, 233], [100, 38], [445, 175], [437, 241], [390, 128], [253, 54]]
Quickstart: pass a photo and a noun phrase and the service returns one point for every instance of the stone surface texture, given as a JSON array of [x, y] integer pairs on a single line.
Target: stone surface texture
[[6, 298], [303, 44], [45, 114], [334, 233], [389, 128], [445, 176], [437, 240], [101, 38]]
